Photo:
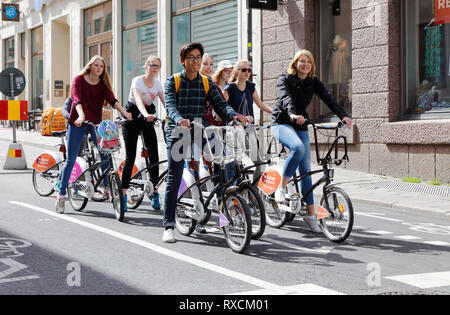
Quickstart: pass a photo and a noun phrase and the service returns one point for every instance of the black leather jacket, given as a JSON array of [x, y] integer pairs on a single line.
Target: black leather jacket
[[294, 96]]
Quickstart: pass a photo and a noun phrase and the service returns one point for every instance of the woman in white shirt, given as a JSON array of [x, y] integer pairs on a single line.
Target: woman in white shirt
[[143, 92]]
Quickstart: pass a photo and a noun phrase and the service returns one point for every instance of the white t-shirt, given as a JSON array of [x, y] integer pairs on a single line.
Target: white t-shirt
[[148, 94]]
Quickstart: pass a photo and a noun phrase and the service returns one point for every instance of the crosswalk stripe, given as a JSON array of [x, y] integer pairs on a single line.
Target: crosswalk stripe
[[424, 280]]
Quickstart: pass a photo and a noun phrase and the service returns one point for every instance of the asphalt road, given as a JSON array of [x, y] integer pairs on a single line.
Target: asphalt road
[[41, 252]]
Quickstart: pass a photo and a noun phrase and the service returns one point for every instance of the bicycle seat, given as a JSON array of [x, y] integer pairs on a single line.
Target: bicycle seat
[[59, 134]]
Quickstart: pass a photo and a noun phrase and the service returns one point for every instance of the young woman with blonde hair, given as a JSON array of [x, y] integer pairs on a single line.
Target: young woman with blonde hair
[[295, 91], [91, 90], [240, 93]]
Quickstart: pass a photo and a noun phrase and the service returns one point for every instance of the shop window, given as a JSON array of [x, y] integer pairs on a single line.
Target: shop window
[[9, 53], [209, 25], [335, 52], [98, 33], [37, 68], [139, 41], [135, 11], [427, 68]]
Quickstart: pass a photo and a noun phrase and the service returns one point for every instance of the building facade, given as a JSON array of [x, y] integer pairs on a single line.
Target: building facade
[[386, 61], [55, 38], [388, 64]]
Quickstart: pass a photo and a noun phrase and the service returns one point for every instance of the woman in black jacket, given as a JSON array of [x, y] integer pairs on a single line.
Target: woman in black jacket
[[295, 91]]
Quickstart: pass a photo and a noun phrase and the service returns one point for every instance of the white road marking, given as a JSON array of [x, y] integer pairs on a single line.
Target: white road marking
[[14, 267], [408, 237], [302, 289], [377, 216], [437, 243], [380, 232], [161, 250], [424, 280]]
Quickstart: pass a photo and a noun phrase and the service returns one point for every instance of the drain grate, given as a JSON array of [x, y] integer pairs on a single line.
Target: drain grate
[[441, 191]]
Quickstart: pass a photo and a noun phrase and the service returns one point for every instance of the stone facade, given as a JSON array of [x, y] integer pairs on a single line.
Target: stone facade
[[381, 143]]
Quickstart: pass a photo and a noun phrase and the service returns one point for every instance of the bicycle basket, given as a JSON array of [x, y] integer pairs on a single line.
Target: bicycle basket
[[331, 146], [108, 136]]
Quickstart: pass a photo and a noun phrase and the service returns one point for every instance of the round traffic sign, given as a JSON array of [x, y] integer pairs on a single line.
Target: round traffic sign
[[12, 82]]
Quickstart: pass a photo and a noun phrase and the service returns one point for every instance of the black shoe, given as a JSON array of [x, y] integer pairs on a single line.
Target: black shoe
[[200, 228]]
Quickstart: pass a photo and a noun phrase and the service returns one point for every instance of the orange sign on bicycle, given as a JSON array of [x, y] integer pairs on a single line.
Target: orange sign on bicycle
[[322, 213]]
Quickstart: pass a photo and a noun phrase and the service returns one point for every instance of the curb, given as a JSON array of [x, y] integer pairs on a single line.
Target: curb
[[34, 144]]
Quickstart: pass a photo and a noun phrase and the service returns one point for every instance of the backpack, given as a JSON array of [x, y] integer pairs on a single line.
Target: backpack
[[208, 108], [52, 120]]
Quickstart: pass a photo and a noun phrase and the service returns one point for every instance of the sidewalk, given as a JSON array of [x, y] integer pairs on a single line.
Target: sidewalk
[[362, 187]]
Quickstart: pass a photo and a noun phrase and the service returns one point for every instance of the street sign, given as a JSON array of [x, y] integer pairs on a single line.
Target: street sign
[[263, 4], [10, 12], [12, 82]]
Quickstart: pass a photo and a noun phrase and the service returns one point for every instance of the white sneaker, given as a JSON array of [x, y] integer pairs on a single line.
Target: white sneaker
[[168, 236], [60, 204], [313, 223], [280, 194]]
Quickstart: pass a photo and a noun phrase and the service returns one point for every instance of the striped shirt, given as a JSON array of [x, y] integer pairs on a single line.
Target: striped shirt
[[191, 100]]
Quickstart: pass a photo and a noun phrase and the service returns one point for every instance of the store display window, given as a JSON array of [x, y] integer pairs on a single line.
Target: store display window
[[335, 52], [427, 68]]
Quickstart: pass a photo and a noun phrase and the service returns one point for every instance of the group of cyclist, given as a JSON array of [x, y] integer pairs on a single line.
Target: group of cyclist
[[229, 96]]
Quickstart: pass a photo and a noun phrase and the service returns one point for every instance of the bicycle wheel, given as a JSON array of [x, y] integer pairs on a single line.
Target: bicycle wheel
[[77, 195], [338, 226], [43, 182], [257, 211], [184, 224], [275, 217], [238, 232], [117, 196]]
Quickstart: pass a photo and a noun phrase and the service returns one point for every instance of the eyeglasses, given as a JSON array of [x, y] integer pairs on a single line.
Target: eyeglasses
[[154, 66], [249, 70], [191, 58], [227, 71]]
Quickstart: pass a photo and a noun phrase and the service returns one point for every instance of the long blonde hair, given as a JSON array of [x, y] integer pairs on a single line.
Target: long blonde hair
[[238, 64], [104, 77], [293, 65]]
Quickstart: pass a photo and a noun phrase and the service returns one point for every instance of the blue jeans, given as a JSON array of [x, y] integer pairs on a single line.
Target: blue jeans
[[299, 157], [174, 176], [74, 139]]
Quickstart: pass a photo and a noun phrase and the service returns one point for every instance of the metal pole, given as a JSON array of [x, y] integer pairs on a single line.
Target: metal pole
[[11, 84]]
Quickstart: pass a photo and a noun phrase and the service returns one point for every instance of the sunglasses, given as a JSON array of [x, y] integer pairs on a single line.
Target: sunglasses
[[154, 66], [249, 70]]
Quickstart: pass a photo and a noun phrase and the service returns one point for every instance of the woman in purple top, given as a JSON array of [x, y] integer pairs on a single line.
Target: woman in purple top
[[91, 90]]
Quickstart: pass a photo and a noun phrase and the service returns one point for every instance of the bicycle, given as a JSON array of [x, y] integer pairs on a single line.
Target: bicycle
[[140, 184], [47, 168], [242, 169], [335, 213], [234, 213], [48, 165], [82, 185]]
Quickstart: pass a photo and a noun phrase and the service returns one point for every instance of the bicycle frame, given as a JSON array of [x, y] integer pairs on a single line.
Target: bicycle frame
[[328, 173]]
